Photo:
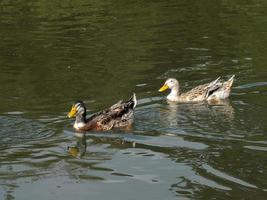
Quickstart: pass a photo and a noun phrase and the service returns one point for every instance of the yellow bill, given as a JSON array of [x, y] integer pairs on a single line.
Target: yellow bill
[[163, 88], [73, 151], [72, 112]]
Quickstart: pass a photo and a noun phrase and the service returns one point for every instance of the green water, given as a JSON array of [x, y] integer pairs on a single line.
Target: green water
[[53, 53]]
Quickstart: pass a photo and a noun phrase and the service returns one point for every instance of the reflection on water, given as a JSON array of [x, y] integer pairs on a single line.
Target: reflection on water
[[217, 110], [79, 149], [54, 53]]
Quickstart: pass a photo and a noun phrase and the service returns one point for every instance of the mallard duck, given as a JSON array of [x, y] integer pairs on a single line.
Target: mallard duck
[[215, 90], [118, 115]]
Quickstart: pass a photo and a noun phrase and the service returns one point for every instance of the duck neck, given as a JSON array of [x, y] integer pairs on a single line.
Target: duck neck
[[80, 119], [174, 94]]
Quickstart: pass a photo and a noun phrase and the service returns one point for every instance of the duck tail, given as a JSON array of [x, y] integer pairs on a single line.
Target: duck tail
[[231, 80], [131, 103], [134, 100], [214, 82]]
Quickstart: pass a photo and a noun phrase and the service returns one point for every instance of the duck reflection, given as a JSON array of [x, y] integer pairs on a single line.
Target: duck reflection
[[182, 113], [173, 108], [222, 108], [79, 149], [212, 107]]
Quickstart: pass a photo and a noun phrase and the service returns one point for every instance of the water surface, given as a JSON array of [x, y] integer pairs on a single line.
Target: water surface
[[53, 53]]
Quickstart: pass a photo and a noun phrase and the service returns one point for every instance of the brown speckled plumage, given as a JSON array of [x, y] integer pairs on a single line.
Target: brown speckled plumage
[[214, 90], [118, 115]]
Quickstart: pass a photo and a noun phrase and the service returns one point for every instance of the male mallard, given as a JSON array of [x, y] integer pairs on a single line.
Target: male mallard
[[215, 90], [118, 115]]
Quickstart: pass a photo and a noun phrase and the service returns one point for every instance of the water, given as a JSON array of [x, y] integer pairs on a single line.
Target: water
[[53, 53]]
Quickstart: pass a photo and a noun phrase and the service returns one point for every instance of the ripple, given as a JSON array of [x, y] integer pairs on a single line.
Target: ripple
[[251, 85], [18, 130], [197, 49], [141, 85], [172, 142], [258, 148], [15, 113], [222, 175]]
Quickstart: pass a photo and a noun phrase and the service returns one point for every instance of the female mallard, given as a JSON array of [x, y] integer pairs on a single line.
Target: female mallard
[[118, 115], [215, 90]]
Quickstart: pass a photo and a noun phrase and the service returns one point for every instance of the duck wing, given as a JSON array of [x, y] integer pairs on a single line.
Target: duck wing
[[201, 92], [223, 91], [118, 114], [213, 87]]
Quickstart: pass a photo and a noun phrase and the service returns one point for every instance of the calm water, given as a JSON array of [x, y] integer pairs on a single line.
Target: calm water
[[101, 51]]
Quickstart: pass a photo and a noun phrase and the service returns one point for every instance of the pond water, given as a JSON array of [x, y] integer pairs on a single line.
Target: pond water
[[54, 53]]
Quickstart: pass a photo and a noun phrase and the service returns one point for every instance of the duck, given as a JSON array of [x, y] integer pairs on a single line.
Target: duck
[[214, 91], [118, 115]]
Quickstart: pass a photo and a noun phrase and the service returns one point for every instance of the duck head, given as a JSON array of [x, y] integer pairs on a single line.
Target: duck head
[[170, 83], [77, 110]]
